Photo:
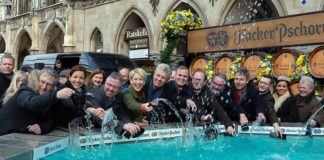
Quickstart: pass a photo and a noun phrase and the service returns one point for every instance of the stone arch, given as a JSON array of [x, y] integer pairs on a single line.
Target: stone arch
[[226, 10], [322, 6], [2, 43], [22, 46], [53, 37], [133, 11], [193, 4], [95, 38]]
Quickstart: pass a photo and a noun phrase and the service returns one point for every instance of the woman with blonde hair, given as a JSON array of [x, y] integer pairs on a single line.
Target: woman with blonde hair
[[134, 96], [16, 81]]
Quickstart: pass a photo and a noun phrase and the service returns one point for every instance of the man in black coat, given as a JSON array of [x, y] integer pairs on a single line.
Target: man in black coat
[[239, 98], [7, 65], [108, 96], [159, 87], [208, 108], [248, 98], [267, 99], [30, 110]]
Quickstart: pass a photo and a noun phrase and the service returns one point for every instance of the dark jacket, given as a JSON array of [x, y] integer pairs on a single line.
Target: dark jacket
[[4, 83], [70, 108], [179, 100], [208, 104], [300, 109], [98, 98], [250, 101], [25, 108], [269, 101], [168, 92], [133, 103]]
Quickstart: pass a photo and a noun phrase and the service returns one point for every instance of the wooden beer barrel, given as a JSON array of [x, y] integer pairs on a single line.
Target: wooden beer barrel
[[294, 88], [223, 64], [252, 63], [283, 63], [197, 63], [316, 62]]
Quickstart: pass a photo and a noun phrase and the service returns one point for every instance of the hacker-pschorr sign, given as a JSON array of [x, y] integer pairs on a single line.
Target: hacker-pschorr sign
[[284, 31]]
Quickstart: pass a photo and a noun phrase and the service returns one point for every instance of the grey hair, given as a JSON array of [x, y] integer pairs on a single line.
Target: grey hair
[[164, 67], [49, 72], [7, 56], [220, 75], [116, 76], [307, 80]]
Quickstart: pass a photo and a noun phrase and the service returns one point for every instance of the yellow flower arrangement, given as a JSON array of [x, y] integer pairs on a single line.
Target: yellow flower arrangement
[[300, 68], [236, 64], [209, 68], [265, 67], [177, 22]]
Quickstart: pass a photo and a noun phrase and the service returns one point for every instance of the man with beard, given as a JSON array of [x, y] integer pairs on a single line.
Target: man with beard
[[208, 108], [240, 98]]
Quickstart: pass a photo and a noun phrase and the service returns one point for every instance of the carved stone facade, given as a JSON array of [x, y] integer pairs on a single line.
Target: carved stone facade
[[100, 25]]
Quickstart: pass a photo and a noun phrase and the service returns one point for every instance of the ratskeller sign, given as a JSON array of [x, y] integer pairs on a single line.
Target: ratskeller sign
[[284, 31]]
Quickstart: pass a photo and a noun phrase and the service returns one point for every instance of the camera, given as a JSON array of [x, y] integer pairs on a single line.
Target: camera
[[127, 134]]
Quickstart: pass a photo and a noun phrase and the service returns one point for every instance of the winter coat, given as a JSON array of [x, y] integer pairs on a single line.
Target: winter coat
[[26, 108], [70, 108], [168, 92], [4, 83], [98, 98], [133, 103], [208, 104], [269, 101], [250, 101], [300, 109]]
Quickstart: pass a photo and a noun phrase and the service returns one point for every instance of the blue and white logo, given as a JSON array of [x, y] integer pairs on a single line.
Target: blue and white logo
[[303, 2]]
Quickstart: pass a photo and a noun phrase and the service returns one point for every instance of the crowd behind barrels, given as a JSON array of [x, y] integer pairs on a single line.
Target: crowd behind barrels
[[38, 101]]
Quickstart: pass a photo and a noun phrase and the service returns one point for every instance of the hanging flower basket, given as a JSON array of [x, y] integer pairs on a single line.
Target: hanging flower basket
[[300, 68], [173, 29], [236, 64], [265, 67]]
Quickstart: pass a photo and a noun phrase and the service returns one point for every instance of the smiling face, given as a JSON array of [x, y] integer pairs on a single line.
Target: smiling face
[[198, 80], [112, 87], [7, 65], [282, 88], [77, 79], [240, 81], [304, 89], [137, 82], [181, 77], [97, 79], [218, 85], [159, 78], [46, 84], [264, 84]]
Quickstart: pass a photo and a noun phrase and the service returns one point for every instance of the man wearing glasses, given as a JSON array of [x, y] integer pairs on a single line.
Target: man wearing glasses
[[264, 86], [30, 110]]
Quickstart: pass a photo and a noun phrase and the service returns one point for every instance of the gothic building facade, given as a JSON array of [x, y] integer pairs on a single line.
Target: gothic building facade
[[114, 26]]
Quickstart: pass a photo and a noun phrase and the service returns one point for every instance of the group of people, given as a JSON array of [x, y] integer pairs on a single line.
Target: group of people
[[38, 101]]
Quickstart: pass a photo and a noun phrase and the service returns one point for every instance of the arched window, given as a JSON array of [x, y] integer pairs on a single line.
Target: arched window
[[24, 6], [50, 2], [96, 41]]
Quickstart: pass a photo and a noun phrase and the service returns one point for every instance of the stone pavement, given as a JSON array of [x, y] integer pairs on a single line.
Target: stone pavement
[[17, 146]]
